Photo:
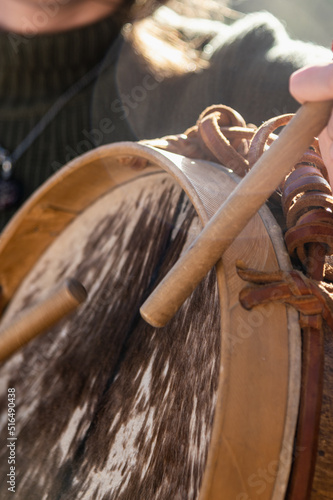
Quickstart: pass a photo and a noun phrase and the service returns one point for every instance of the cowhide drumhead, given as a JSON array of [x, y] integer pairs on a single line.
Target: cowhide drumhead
[[108, 407]]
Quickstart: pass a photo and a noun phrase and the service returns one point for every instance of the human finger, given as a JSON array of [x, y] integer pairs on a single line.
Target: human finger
[[312, 83]]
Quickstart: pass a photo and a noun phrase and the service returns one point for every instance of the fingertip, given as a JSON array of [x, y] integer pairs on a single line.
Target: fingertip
[[296, 82], [312, 83]]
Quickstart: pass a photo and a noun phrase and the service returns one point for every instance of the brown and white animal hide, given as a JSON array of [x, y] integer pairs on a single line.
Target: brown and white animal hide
[[108, 407]]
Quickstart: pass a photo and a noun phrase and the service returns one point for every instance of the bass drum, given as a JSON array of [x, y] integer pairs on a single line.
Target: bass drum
[[108, 407]]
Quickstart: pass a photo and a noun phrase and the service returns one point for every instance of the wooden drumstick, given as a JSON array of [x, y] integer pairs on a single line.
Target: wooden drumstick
[[41, 317], [233, 215]]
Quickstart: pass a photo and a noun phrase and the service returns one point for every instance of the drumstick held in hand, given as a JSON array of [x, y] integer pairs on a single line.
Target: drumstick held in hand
[[241, 205], [39, 318]]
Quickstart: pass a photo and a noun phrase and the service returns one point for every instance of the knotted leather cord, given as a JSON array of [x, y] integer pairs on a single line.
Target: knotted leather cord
[[311, 299], [307, 205], [221, 135]]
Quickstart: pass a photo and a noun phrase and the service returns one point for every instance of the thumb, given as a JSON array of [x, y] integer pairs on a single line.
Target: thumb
[[312, 83]]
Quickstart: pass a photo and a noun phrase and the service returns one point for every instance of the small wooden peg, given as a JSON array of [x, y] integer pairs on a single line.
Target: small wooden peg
[[41, 317], [241, 205]]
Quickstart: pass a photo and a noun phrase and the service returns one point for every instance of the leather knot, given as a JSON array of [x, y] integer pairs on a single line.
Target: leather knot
[[309, 297], [220, 135]]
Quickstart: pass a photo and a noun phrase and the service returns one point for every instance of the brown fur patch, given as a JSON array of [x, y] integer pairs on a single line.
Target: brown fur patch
[[107, 406]]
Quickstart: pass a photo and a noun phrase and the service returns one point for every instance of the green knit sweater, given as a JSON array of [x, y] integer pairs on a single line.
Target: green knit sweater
[[34, 72], [250, 65]]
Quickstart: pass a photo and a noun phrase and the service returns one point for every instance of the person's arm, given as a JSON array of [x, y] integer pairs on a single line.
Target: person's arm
[[253, 65], [315, 83]]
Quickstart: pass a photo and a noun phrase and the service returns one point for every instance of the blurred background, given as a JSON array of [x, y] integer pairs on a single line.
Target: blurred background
[[308, 20]]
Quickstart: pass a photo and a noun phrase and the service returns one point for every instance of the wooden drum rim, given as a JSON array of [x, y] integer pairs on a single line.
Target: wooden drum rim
[[44, 216]]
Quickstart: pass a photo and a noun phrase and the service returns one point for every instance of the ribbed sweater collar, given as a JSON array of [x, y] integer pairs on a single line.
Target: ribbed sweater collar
[[38, 68]]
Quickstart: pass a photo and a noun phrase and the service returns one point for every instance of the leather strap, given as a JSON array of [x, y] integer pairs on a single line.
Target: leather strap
[[221, 135], [308, 296]]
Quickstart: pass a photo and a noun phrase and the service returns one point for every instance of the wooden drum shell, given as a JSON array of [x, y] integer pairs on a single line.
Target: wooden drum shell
[[235, 443]]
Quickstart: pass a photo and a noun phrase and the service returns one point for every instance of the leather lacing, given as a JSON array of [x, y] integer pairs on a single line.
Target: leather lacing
[[221, 135]]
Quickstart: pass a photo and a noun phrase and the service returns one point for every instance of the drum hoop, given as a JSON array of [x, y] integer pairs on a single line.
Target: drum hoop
[[40, 211]]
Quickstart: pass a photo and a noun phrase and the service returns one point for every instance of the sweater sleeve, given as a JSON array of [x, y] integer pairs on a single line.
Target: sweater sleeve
[[251, 67]]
